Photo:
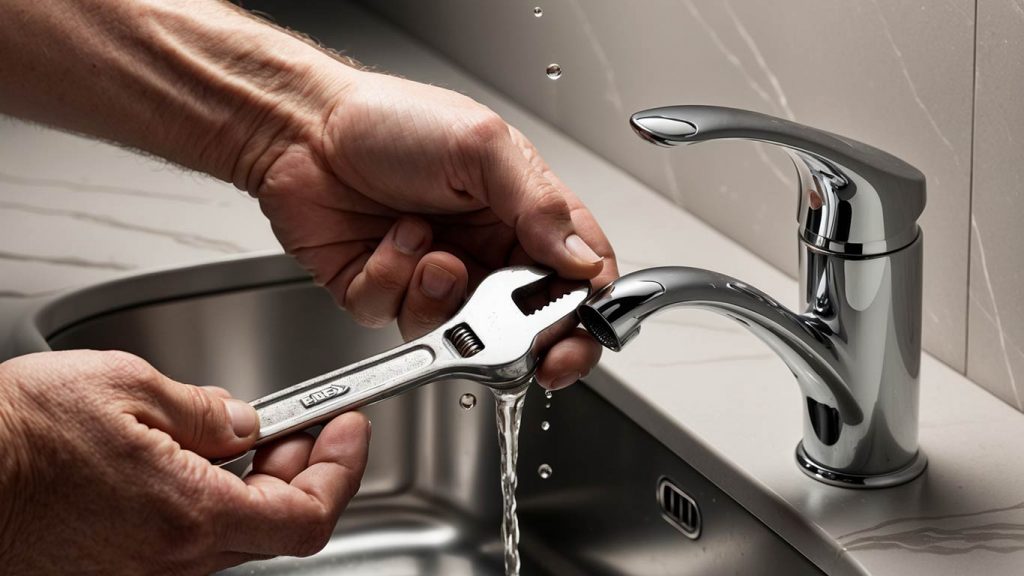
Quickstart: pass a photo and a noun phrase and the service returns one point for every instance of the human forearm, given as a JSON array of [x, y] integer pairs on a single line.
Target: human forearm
[[198, 82]]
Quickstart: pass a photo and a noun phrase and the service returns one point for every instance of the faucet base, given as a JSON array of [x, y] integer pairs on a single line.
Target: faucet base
[[843, 480]]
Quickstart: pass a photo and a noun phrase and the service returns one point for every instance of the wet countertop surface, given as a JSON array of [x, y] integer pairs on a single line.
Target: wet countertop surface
[[74, 212]]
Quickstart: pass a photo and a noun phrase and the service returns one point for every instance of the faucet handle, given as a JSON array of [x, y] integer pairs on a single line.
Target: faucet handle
[[855, 200]]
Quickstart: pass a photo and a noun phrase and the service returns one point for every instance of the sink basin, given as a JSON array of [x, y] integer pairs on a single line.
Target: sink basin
[[616, 502]]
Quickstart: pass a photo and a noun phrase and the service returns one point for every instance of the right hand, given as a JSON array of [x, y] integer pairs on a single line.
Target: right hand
[[103, 469], [407, 195]]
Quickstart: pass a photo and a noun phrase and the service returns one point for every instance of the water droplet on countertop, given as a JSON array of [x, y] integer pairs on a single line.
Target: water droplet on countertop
[[538, 11], [545, 471], [467, 401], [554, 71], [545, 425]]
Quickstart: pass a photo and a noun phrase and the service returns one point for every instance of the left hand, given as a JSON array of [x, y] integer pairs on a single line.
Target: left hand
[[410, 194]]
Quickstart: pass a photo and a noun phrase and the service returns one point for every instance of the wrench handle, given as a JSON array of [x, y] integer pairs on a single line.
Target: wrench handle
[[323, 397]]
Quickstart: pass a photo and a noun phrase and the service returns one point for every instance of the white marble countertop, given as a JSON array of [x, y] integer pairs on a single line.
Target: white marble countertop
[[73, 212]]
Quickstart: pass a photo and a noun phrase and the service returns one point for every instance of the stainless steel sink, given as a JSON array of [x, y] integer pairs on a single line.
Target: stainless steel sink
[[617, 502]]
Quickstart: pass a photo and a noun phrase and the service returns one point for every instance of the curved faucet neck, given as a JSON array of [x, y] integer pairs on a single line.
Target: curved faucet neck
[[614, 315]]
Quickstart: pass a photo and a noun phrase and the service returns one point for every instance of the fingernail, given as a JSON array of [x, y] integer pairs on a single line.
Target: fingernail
[[580, 250], [409, 237], [437, 282], [243, 417], [563, 381]]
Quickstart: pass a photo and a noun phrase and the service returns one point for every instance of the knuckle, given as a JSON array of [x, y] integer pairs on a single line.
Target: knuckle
[[318, 535], [551, 204], [195, 535], [367, 318], [384, 276], [486, 129], [424, 318], [206, 413], [125, 368], [477, 142]]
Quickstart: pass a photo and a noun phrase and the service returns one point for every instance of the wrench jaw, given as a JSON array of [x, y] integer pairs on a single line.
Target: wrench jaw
[[518, 373], [517, 314]]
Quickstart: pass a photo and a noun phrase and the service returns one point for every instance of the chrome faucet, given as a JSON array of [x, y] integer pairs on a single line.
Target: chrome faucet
[[855, 349]]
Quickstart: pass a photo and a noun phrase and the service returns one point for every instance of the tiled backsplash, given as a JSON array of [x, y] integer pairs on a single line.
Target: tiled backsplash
[[897, 75], [995, 312]]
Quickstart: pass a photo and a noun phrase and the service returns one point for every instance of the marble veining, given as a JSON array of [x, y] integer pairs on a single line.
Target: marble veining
[[789, 181], [672, 181], [611, 93], [911, 85], [20, 294], [995, 311], [725, 327], [999, 530], [184, 238], [729, 55], [705, 359], [73, 186], [1012, 345], [76, 261], [773, 80]]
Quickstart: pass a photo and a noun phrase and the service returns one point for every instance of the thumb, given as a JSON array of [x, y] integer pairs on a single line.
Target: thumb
[[540, 212], [200, 420]]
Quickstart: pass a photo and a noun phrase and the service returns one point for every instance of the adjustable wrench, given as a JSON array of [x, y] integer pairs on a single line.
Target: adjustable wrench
[[493, 340]]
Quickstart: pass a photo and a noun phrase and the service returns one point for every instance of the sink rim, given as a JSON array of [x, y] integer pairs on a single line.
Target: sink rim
[[41, 318]]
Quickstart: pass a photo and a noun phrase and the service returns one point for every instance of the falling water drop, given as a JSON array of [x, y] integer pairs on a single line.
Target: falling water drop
[[545, 471], [545, 425], [554, 71], [547, 405], [537, 11], [547, 394], [467, 401]]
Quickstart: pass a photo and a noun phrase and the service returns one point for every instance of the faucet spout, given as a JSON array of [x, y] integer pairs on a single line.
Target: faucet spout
[[855, 199], [614, 315]]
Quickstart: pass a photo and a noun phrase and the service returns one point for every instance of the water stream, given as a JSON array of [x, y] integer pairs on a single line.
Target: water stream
[[509, 408]]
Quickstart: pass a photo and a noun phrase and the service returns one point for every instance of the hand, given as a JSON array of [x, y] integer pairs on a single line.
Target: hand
[[408, 195], [103, 470]]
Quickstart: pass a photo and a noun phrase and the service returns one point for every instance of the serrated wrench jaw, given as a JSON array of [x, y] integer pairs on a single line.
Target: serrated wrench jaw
[[513, 340], [547, 325]]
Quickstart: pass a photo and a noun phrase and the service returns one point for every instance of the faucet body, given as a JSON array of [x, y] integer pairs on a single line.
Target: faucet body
[[855, 346]]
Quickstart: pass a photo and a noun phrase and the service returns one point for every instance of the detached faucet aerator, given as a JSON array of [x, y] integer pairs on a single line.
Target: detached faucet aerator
[[855, 350]]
